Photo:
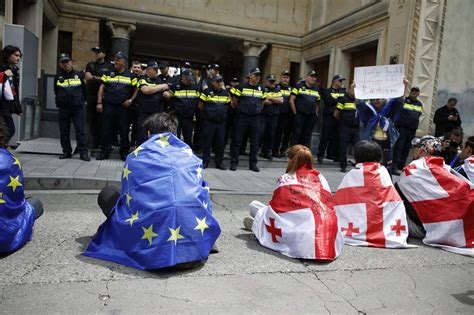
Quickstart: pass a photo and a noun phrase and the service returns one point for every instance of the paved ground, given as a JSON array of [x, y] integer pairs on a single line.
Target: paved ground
[[50, 276]]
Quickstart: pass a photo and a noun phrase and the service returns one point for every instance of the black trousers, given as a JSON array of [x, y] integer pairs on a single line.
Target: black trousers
[[10, 124], [185, 127], [303, 126], [402, 147], [94, 122], [142, 135], [283, 133], [114, 113], [229, 124], [197, 136], [245, 125], [134, 121], [76, 116], [329, 138], [213, 136], [347, 135], [268, 125]]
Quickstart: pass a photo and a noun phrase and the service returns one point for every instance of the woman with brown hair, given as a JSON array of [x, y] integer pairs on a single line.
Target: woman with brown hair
[[300, 220]]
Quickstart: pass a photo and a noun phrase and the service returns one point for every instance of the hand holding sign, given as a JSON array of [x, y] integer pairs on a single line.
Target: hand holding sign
[[379, 82]]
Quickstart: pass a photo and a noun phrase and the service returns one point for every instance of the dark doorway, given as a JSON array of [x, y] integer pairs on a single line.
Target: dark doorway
[[363, 56], [322, 69]]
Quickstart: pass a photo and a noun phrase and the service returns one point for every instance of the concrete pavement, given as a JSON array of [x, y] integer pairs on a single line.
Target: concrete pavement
[[49, 276]]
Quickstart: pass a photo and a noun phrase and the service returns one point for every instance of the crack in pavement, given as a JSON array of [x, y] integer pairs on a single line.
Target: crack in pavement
[[414, 293], [313, 291]]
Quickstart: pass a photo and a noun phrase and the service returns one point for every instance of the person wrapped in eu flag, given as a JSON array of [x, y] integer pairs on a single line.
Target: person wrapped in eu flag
[[163, 215], [17, 215]]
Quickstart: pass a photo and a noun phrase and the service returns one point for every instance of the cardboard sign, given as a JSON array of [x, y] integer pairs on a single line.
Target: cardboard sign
[[379, 81]]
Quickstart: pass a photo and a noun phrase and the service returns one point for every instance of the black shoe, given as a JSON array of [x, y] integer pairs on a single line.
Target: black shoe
[[65, 156], [254, 168], [233, 167], [320, 160], [221, 166], [214, 249], [343, 170], [123, 156], [244, 153], [102, 156], [267, 156], [85, 157], [205, 165]]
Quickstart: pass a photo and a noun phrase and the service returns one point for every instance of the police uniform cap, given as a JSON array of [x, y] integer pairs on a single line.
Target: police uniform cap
[[187, 64], [164, 64], [337, 77], [415, 88], [64, 57], [271, 77], [213, 66], [187, 74], [217, 78], [286, 72], [255, 71], [235, 79], [152, 64], [120, 55], [97, 49], [312, 73]]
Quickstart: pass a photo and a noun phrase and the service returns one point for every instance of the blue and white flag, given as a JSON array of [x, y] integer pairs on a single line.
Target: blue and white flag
[[164, 215], [16, 214]]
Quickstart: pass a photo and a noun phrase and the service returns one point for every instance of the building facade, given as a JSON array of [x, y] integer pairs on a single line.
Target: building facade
[[330, 36]]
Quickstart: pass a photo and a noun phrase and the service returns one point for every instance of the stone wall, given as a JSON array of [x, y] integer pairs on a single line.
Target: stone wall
[[85, 35], [456, 74]]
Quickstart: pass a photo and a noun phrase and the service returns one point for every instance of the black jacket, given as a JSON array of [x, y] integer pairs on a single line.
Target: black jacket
[[7, 107], [443, 125], [69, 89]]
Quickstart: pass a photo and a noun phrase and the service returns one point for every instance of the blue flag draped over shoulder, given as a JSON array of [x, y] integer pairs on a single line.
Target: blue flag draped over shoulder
[[16, 214], [163, 216]]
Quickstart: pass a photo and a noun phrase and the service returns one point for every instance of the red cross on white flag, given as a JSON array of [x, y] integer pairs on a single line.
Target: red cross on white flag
[[369, 210]]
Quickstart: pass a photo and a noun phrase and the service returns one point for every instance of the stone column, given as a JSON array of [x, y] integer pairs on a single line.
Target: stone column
[[121, 33], [251, 52]]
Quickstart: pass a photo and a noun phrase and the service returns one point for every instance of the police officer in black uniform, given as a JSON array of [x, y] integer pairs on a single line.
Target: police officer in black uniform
[[304, 102], [184, 102], [118, 92], [149, 98], [285, 118], [93, 74], [328, 141], [70, 91], [269, 116], [347, 113], [213, 105], [249, 98], [406, 124]]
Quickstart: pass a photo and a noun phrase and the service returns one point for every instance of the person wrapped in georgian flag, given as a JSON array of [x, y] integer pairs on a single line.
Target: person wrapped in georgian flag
[[299, 221], [442, 200], [467, 154], [369, 210]]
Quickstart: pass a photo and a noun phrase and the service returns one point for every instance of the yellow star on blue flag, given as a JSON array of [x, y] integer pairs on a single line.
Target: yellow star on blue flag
[[133, 218], [1, 198], [148, 234], [175, 236], [199, 172], [14, 182], [129, 197], [17, 162], [126, 172], [163, 141], [137, 150], [188, 151], [202, 225]]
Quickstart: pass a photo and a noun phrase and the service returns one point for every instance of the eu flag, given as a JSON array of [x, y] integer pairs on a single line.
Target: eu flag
[[163, 216], [16, 214]]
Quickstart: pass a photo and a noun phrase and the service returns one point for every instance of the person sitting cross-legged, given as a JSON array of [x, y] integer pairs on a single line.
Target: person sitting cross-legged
[[17, 213], [300, 220], [162, 217]]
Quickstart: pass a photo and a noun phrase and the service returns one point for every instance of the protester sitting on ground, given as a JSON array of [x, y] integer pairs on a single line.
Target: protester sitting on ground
[[163, 215], [466, 169], [300, 220], [451, 145], [440, 203], [369, 210], [17, 214]]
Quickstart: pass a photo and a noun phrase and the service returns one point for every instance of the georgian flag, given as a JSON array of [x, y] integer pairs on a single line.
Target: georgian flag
[[444, 203], [300, 220], [369, 210], [7, 90], [468, 168]]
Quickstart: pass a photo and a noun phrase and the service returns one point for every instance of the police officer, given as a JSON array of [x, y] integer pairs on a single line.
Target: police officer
[[248, 98], [347, 113], [304, 102], [406, 124], [213, 105], [93, 74], [329, 134], [231, 112], [269, 116], [70, 91], [285, 117], [184, 102], [149, 98], [118, 92]]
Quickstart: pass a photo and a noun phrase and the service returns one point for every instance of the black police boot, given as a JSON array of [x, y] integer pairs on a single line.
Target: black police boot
[[123, 156], [343, 170], [65, 155], [205, 165], [267, 156], [233, 166], [85, 157], [254, 168], [221, 166], [102, 156]]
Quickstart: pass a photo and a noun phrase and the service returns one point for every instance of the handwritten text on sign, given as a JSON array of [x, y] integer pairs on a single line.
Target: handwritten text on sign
[[379, 82]]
